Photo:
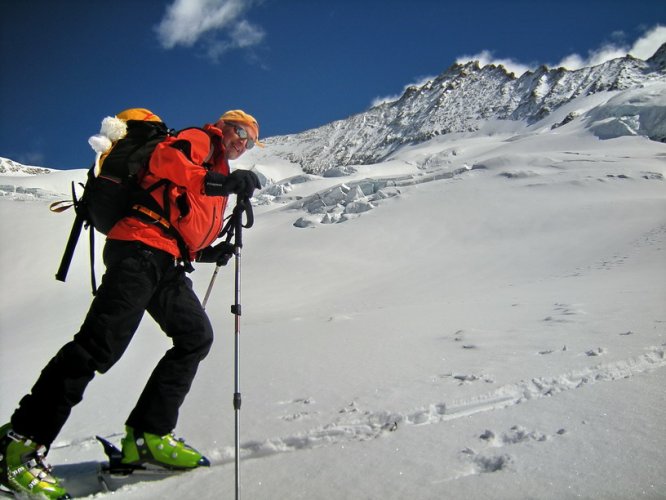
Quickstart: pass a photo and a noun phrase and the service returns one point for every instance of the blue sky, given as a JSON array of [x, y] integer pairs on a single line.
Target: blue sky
[[294, 64]]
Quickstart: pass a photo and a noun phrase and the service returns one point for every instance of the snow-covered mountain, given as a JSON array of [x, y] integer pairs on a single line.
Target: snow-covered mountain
[[462, 99], [24, 182], [10, 167]]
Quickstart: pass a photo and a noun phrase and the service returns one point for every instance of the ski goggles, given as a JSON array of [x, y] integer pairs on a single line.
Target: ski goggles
[[242, 133]]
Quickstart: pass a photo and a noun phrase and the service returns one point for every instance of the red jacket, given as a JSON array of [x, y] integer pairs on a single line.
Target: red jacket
[[198, 218]]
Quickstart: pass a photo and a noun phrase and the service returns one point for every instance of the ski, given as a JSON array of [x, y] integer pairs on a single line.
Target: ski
[[5, 493], [113, 474]]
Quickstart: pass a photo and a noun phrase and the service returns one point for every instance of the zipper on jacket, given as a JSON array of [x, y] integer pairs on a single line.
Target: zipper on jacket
[[210, 229]]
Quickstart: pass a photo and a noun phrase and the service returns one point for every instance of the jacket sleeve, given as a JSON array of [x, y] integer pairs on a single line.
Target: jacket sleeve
[[215, 184], [181, 159]]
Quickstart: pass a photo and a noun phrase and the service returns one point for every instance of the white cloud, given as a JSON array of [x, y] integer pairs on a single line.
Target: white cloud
[[419, 83], [31, 158], [187, 22], [643, 48], [646, 46], [246, 34], [594, 57], [485, 57]]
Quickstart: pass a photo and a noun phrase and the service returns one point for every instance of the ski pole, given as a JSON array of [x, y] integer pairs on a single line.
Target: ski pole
[[243, 205], [234, 229], [236, 311], [210, 286], [235, 219]]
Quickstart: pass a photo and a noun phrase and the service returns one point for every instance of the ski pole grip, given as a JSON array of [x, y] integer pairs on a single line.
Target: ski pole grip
[[249, 214], [243, 205]]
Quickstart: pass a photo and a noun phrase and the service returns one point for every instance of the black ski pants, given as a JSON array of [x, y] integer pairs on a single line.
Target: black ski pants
[[138, 278]]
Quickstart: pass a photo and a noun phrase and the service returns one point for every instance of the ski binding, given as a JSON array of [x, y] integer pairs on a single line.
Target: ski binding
[[115, 474]]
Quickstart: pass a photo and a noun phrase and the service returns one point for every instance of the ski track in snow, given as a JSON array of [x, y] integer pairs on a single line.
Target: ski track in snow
[[355, 425]]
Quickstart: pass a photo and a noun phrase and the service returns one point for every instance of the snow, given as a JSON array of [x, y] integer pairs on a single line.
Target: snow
[[639, 111], [479, 316]]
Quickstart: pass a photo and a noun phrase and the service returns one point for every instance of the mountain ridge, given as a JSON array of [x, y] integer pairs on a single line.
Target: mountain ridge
[[11, 167], [459, 100]]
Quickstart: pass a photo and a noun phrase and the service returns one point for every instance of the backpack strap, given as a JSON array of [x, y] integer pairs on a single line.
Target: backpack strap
[[146, 214], [148, 210]]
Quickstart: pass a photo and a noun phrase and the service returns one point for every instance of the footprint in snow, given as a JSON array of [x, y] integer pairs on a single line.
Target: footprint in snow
[[303, 401], [487, 463], [517, 434], [463, 378], [545, 352], [299, 414], [562, 313]]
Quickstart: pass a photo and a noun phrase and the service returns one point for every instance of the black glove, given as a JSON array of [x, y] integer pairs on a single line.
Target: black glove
[[239, 182], [219, 254]]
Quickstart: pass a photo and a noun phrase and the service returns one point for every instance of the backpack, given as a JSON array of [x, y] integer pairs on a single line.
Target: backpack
[[123, 147], [112, 190]]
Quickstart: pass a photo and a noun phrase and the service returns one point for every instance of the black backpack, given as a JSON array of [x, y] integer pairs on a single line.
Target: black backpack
[[112, 190], [108, 196]]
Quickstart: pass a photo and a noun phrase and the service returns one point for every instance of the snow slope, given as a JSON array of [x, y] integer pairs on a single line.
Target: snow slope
[[481, 315]]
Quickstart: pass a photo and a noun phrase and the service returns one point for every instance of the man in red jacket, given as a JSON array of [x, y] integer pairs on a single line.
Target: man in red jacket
[[144, 272]]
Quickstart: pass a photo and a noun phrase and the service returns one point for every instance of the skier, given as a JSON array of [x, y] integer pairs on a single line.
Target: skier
[[144, 272]]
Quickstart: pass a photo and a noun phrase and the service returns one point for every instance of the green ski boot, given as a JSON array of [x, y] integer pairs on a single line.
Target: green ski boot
[[142, 449], [23, 469]]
